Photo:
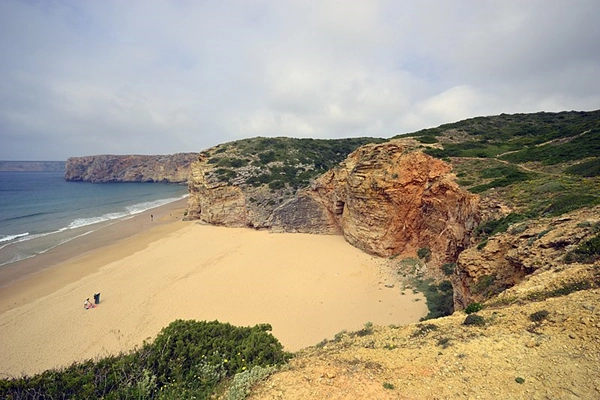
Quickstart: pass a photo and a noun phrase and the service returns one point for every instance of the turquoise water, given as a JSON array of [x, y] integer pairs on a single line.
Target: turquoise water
[[40, 210]]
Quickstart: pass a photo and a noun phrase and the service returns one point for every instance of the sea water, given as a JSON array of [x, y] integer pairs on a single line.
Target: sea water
[[40, 210]]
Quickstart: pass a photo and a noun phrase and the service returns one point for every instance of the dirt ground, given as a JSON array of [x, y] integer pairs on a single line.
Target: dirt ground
[[512, 356]]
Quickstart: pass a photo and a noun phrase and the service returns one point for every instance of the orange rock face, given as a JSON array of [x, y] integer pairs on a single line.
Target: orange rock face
[[387, 201]]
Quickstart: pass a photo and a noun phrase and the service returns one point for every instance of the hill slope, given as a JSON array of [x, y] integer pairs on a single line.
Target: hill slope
[[533, 268]]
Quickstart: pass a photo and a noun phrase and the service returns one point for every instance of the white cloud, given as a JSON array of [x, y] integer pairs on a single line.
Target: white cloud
[[163, 76]]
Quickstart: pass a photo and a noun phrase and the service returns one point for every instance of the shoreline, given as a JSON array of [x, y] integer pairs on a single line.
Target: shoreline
[[18, 279], [150, 273]]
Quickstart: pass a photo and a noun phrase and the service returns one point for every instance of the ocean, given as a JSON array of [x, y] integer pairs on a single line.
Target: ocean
[[40, 210]]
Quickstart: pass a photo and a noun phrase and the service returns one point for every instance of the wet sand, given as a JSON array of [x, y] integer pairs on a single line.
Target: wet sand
[[150, 273]]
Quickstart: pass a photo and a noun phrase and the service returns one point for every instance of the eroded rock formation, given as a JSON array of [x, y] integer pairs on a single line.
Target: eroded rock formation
[[526, 250], [382, 198], [130, 168], [388, 201]]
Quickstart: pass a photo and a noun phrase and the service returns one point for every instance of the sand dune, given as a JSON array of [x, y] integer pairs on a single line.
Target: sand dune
[[307, 287]]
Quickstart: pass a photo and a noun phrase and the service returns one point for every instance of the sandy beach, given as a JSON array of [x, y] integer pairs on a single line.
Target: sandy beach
[[151, 272]]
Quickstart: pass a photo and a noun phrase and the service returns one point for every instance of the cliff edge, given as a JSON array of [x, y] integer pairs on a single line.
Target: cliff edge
[[130, 168]]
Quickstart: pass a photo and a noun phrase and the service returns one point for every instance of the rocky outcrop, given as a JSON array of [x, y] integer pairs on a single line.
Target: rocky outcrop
[[382, 198], [387, 201], [527, 250], [130, 168]]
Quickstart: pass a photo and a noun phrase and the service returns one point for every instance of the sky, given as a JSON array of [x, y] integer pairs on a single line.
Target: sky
[[87, 77]]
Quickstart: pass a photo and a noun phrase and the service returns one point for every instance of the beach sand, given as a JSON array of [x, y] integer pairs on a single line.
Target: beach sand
[[152, 272]]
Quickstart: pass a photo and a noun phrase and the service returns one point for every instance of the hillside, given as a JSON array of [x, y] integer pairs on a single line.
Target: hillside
[[533, 273], [510, 262]]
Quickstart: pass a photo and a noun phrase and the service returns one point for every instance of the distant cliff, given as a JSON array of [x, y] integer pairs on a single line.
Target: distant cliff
[[34, 166], [130, 168]]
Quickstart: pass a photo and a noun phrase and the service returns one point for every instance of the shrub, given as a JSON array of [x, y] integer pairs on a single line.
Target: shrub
[[427, 139], [474, 319], [243, 382], [448, 268], [587, 252], [389, 386], [424, 253], [424, 329], [473, 308], [440, 298], [539, 316], [366, 330], [564, 203], [586, 169], [500, 225], [187, 359], [444, 342]]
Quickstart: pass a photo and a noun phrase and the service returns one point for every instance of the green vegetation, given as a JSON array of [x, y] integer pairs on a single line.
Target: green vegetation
[[587, 252], [448, 268], [387, 385], [492, 227], [474, 319], [188, 359], [503, 176], [586, 169], [560, 149], [424, 329], [366, 330], [539, 316], [440, 298], [473, 308], [282, 162], [578, 147], [424, 253]]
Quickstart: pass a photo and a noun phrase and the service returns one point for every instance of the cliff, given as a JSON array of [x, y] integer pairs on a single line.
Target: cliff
[[33, 166], [383, 198], [130, 168], [543, 252], [387, 201]]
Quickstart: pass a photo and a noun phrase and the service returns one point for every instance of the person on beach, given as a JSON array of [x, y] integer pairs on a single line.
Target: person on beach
[[87, 304]]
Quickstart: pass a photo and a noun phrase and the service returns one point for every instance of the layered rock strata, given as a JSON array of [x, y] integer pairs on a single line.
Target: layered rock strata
[[130, 168]]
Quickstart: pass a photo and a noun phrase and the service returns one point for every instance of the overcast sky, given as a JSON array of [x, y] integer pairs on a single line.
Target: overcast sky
[[92, 77]]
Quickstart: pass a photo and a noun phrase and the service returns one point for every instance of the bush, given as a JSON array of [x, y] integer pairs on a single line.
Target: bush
[[448, 268], [424, 329], [473, 308], [440, 298], [424, 253], [474, 319], [587, 252], [187, 359], [499, 225], [567, 202], [539, 316], [586, 169]]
